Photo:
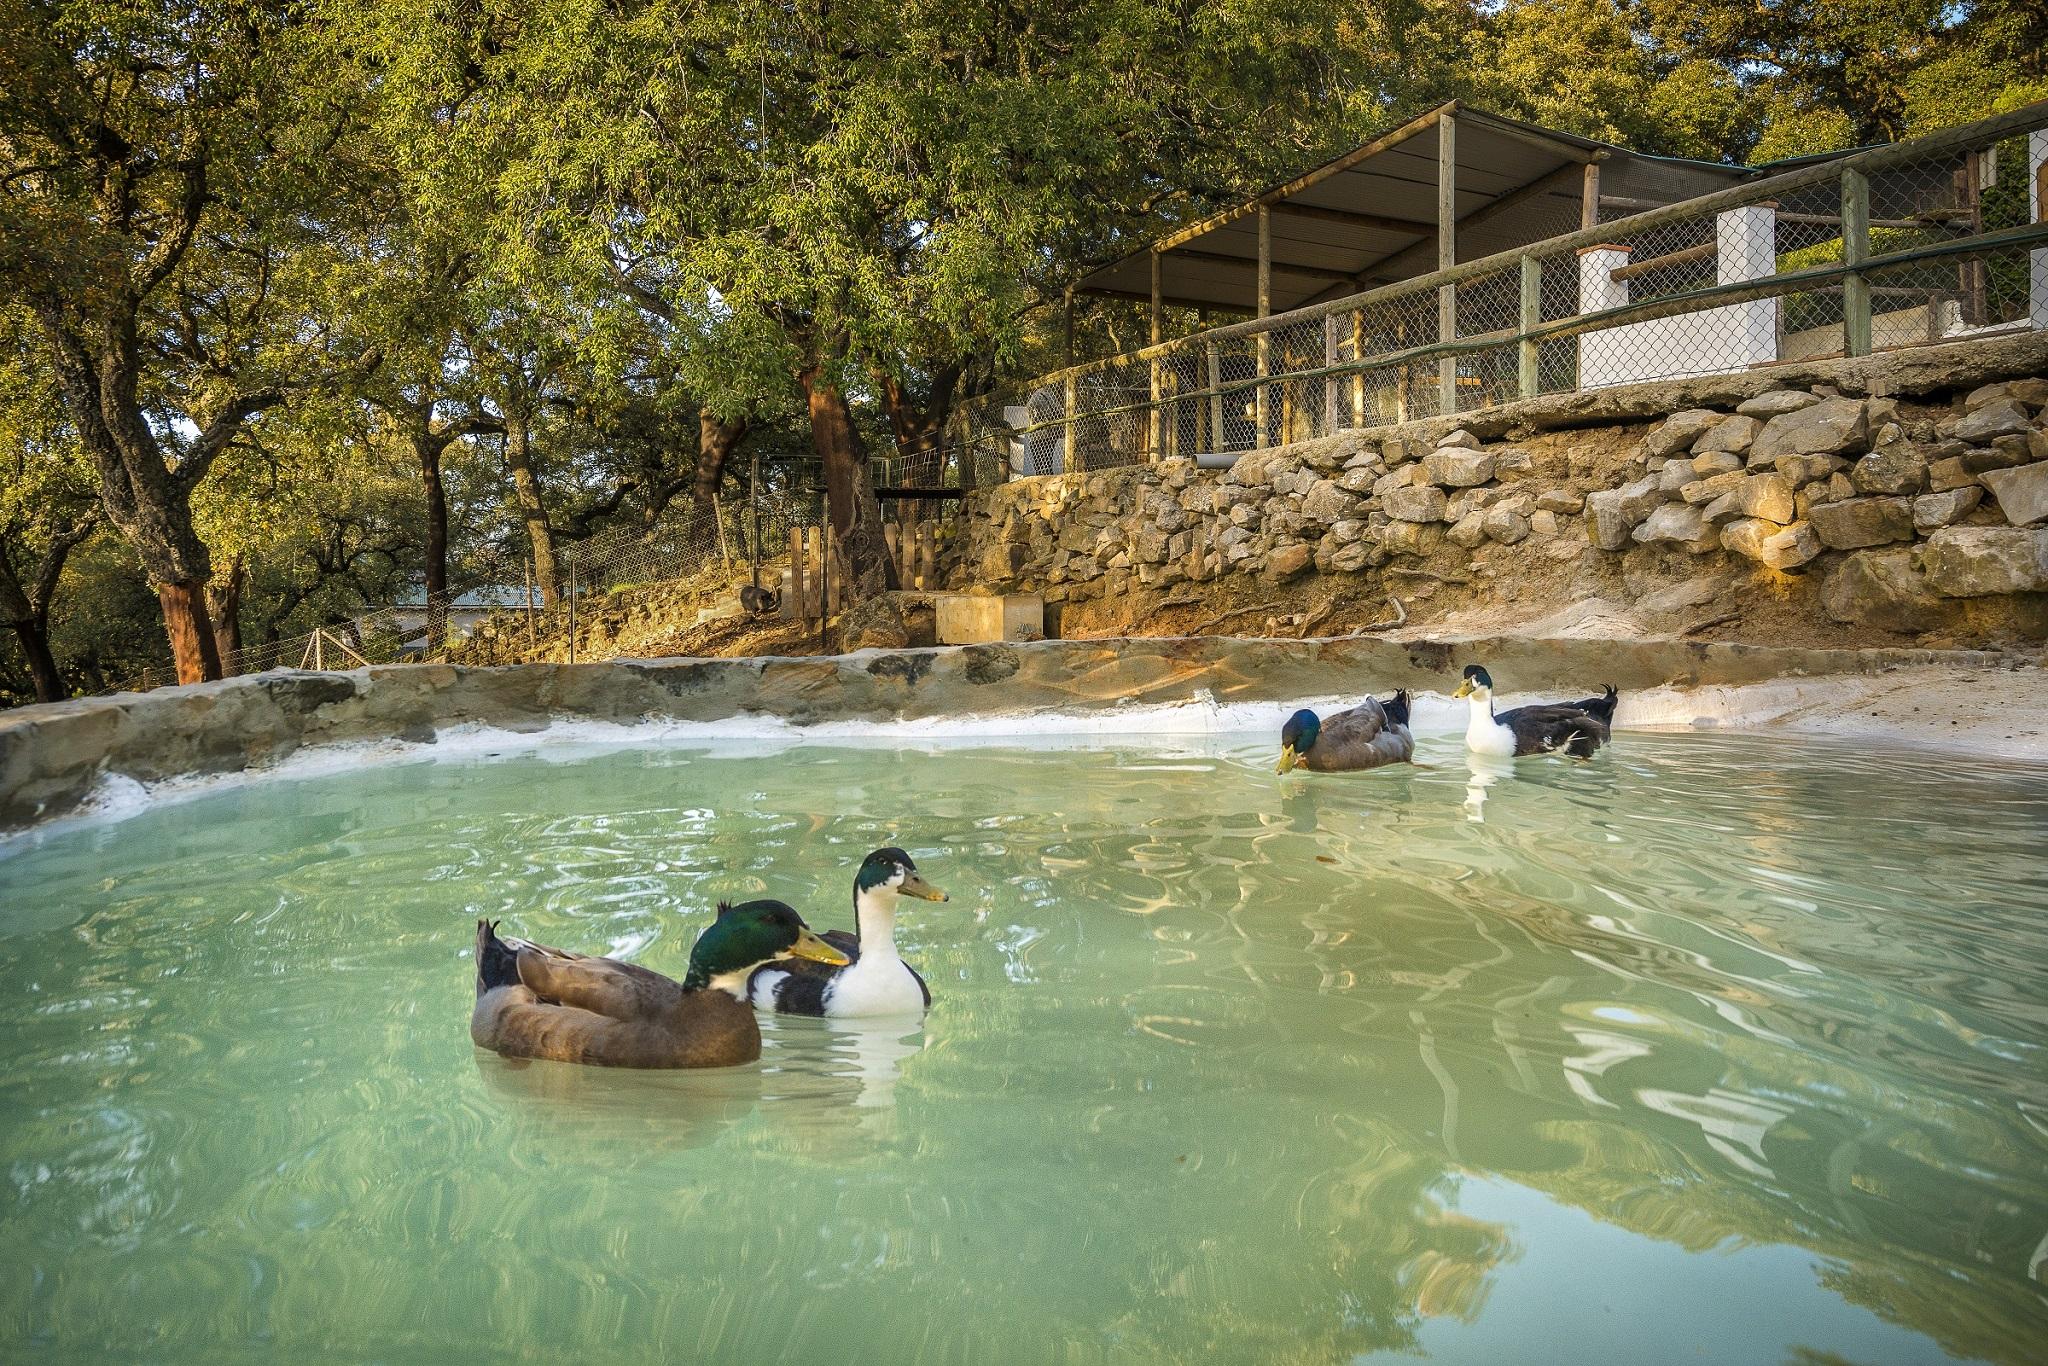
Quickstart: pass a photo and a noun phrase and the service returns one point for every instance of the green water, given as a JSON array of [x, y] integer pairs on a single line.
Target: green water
[[1716, 1049]]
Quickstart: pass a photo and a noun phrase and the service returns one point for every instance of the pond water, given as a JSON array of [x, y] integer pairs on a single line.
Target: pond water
[[1717, 1048]]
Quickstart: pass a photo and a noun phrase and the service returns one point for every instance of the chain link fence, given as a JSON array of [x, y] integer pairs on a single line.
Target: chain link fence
[[1934, 240]]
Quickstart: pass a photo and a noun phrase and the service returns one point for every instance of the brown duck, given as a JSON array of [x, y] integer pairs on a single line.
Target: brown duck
[[536, 1002]]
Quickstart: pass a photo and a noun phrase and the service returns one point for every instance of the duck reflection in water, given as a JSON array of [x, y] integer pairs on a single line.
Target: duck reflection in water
[[838, 1077], [669, 1110], [1482, 771]]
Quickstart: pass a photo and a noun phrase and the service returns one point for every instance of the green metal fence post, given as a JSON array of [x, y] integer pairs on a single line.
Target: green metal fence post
[[1856, 338]]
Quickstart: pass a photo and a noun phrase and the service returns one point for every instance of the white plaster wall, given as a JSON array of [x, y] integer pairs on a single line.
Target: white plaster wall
[[1710, 342]]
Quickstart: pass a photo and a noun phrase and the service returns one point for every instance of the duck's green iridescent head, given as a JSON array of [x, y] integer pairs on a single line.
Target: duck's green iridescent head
[[889, 871], [1297, 738], [750, 934]]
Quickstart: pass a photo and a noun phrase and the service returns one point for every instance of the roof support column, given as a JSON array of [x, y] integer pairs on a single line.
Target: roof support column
[[1446, 257], [1067, 329], [1156, 422], [1589, 197], [1265, 311]]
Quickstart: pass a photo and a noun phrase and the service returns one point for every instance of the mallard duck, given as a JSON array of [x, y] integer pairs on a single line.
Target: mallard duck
[[1538, 729], [536, 1002], [1601, 708], [876, 982], [1370, 735]]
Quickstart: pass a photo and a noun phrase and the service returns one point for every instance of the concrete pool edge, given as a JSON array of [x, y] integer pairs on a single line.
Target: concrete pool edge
[[52, 757]]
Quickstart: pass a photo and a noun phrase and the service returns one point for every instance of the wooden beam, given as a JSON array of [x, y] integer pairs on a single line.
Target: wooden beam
[[1321, 173], [1589, 197], [1705, 251], [1068, 325], [1266, 264], [1446, 257], [1171, 300], [1157, 321], [1533, 138], [1265, 343], [1413, 227]]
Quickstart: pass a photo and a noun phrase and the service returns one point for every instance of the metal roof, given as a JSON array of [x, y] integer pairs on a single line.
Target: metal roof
[[1369, 216]]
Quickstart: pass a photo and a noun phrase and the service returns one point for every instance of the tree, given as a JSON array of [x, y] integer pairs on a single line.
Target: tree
[[156, 167]]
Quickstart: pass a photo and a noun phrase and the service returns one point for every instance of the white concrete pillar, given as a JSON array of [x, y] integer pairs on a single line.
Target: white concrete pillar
[[1746, 248], [1602, 357], [2037, 192]]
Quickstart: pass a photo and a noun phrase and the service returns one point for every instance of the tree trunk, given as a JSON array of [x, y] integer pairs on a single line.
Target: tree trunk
[[850, 500], [715, 443], [34, 636], [532, 509], [190, 631], [224, 605], [437, 544]]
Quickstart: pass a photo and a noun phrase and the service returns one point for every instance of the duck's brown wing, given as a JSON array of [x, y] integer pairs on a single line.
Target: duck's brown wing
[[708, 1029], [604, 986], [1363, 737]]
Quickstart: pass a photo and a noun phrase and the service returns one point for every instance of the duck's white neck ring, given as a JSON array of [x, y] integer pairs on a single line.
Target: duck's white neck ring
[[734, 983], [874, 920]]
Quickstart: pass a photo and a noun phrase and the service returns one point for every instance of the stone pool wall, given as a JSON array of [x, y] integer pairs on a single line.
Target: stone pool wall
[[1903, 493], [51, 757]]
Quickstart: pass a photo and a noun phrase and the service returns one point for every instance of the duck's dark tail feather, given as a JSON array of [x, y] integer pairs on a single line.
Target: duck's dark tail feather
[[1582, 741], [1396, 707], [496, 964]]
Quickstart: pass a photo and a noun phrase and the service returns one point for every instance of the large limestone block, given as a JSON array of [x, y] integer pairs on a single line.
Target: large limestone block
[[1677, 524], [1455, 468], [972, 619], [2033, 392], [1418, 503], [2022, 493], [1795, 545], [2000, 417], [1857, 522], [1882, 588], [1898, 468], [1776, 403], [1707, 490], [1831, 427], [1506, 525], [1730, 436], [1326, 503], [1677, 432], [1977, 561], [1933, 511]]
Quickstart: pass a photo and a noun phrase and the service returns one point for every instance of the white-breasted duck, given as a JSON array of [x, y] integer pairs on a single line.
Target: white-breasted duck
[[1542, 728], [876, 981]]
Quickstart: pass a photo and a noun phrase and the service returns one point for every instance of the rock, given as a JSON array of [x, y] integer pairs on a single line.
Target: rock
[[2022, 493], [1351, 558], [1672, 479], [1951, 473], [1410, 538], [1459, 438], [1975, 561], [2032, 392], [1746, 536], [1398, 451], [1722, 509], [1677, 523], [1419, 503], [889, 621], [1512, 460], [1469, 530], [1560, 500], [1730, 436], [1607, 525], [1246, 515], [1932, 511], [2003, 454], [2037, 444], [1830, 427], [1404, 477], [1792, 547], [1999, 417], [1677, 432], [1882, 588], [1457, 468], [1707, 490], [1469, 500], [1765, 495], [1289, 561], [1148, 545], [1857, 522], [1543, 522], [1506, 526], [1326, 503], [1348, 530], [1805, 469], [1715, 462], [1776, 403], [1897, 468], [1359, 480]]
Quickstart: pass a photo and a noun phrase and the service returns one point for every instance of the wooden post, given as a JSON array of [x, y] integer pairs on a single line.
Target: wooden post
[[1265, 305], [1330, 382], [1217, 438], [718, 516], [1358, 377], [928, 557], [1446, 257], [1532, 314], [1855, 251], [828, 581], [572, 604], [1067, 328], [893, 534], [532, 627], [796, 575], [1589, 197], [754, 505], [1070, 459], [1156, 425]]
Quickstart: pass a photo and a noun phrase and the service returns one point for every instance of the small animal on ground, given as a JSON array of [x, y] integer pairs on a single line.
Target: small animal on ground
[[757, 601]]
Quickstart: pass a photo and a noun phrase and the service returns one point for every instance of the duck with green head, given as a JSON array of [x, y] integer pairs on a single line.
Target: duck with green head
[[1370, 735], [533, 1001], [877, 981]]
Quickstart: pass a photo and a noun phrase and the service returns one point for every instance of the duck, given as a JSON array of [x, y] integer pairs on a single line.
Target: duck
[[1539, 729], [1370, 735], [872, 980], [1600, 708], [533, 1001]]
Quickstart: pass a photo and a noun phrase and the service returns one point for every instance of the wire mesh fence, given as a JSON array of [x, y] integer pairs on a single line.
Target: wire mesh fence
[[1934, 240]]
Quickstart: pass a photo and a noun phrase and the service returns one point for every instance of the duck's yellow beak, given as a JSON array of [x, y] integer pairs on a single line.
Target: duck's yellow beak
[[916, 886], [1464, 689], [809, 946], [1287, 760]]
